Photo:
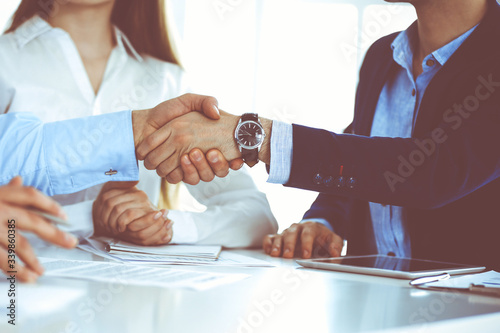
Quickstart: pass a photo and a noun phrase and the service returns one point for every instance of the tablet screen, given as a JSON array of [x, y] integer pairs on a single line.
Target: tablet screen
[[393, 263]]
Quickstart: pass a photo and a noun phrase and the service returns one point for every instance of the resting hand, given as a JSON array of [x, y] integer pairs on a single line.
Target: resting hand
[[165, 147], [303, 239], [197, 166], [123, 211], [14, 201]]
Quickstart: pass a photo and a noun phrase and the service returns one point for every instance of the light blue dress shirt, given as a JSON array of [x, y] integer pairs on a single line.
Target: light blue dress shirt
[[395, 115], [67, 156]]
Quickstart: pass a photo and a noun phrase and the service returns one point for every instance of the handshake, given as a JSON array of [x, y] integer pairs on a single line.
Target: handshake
[[185, 145]]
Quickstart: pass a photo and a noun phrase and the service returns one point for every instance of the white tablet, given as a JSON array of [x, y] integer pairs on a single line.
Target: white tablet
[[382, 265]]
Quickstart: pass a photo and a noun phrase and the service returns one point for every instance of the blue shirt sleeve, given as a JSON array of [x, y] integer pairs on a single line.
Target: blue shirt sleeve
[[319, 220], [281, 152], [67, 156]]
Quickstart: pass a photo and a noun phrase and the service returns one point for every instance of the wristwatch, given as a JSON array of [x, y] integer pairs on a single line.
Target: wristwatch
[[249, 136]]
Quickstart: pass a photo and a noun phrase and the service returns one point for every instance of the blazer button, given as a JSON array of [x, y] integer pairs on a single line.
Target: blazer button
[[351, 182], [318, 179], [328, 181], [339, 182]]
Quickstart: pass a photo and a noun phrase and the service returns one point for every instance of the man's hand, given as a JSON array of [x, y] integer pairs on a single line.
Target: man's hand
[[303, 240], [123, 211], [197, 166], [165, 147], [146, 122], [14, 201]]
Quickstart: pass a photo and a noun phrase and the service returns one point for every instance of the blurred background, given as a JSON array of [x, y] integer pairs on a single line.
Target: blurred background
[[290, 60]]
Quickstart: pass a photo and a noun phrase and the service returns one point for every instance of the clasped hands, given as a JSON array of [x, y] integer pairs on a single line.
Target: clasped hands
[[164, 136]]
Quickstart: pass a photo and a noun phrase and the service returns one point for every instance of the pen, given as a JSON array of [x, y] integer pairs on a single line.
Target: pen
[[51, 218], [429, 279], [481, 289]]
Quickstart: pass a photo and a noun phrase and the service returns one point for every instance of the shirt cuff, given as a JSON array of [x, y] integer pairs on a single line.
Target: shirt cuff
[[90, 151], [281, 153], [319, 220], [184, 228]]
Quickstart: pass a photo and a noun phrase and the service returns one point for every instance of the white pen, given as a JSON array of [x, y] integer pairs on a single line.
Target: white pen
[[429, 279]]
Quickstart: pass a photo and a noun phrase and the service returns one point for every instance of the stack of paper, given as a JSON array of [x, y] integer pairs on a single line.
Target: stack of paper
[[171, 254], [166, 253]]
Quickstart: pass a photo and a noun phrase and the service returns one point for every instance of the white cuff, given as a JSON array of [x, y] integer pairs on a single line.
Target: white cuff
[[281, 153]]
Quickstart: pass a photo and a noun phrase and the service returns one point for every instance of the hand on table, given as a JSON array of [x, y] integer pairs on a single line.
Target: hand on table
[[15, 199], [303, 240], [123, 211]]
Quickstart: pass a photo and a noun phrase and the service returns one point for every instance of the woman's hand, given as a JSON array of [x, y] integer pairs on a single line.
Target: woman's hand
[[123, 211], [303, 240], [15, 200]]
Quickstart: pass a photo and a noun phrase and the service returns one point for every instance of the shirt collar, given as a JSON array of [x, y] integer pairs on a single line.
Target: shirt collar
[[404, 45], [37, 26]]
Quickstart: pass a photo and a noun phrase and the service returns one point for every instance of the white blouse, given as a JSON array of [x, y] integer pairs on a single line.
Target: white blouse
[[42, 72]]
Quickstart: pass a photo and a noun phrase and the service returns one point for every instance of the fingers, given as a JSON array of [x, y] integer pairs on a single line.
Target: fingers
[[307, 238], [334, 245], [200, 163], [189, 171], [276, 246], [142, 221], [155, 149], [236, 164], [218, 163], [23, 273], [267, 243], [16, 181], [30, 197], [158, 233], [290, 236], [207, 104], [42, 228], [177, 175]]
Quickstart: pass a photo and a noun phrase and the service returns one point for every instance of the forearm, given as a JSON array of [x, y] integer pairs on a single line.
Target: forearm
[[67, 156]]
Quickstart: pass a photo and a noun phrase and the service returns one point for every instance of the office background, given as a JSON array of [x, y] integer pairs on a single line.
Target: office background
[[291, 60]]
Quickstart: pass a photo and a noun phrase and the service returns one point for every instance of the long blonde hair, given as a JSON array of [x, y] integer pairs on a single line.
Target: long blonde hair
[[145, 25]]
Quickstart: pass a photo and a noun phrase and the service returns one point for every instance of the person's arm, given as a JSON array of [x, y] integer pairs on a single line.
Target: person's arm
[[68, 156], [439, 166]]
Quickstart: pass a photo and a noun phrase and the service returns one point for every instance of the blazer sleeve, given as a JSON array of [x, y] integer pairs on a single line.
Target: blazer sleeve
[[436, 167]]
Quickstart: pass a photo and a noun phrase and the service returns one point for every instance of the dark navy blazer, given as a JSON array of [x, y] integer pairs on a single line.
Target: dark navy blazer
[[450, 191]]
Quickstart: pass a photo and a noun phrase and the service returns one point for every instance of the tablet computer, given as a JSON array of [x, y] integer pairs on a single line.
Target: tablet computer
[[382, 265]]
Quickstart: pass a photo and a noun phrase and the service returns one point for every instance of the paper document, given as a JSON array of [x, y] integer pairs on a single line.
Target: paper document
[[487, 283], [190, 251], [489, 279], [225, 258], [136, 275]]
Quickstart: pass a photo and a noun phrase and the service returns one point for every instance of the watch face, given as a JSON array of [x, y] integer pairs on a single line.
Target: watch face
[[249, 134]]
